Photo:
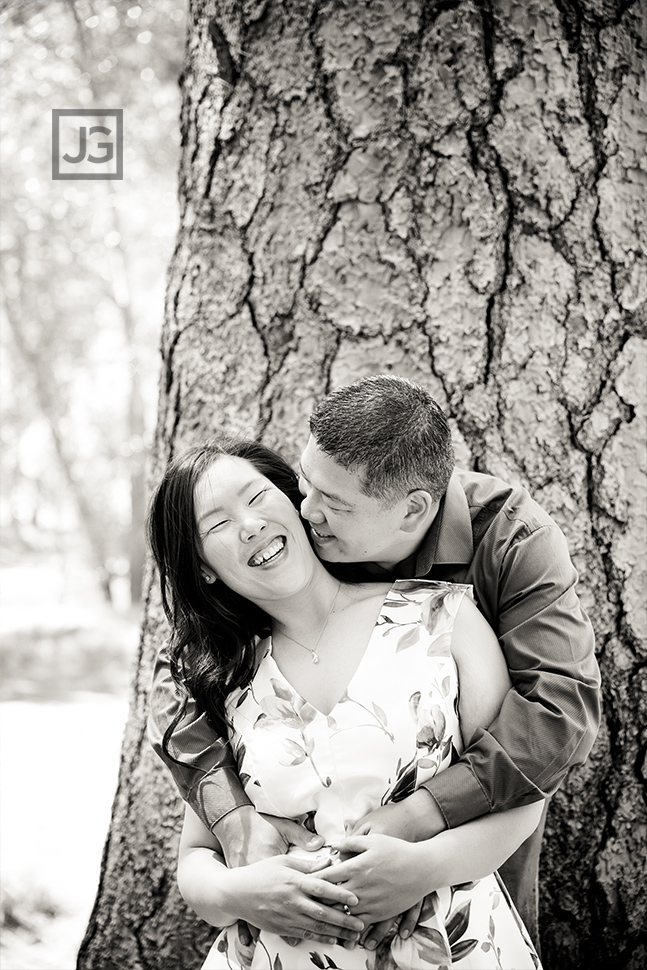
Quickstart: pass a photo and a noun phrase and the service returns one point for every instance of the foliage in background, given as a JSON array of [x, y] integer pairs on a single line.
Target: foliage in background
[[83, 277]]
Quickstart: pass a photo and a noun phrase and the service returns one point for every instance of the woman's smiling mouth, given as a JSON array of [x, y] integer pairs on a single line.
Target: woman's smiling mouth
[[268, 553]]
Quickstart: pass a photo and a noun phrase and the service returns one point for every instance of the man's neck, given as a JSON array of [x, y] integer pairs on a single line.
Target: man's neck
[[390, 564]]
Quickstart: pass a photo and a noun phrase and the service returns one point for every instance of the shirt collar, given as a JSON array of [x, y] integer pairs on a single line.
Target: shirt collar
[[449, 539]]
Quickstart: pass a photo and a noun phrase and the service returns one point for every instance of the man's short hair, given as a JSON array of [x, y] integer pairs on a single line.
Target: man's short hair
[[389, 430]]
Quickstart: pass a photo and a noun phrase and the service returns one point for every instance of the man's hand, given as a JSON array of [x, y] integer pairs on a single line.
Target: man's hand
[[384, 873], [403, 925], [413, 819], [247, 837]]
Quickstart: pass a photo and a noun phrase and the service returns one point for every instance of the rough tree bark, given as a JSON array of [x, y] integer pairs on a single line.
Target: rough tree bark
[[451, 191]]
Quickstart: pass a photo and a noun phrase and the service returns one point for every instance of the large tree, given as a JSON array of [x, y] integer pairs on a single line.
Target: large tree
[[454, 192]]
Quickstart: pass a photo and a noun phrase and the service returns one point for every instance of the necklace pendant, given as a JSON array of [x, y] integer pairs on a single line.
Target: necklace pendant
[[315, 658]]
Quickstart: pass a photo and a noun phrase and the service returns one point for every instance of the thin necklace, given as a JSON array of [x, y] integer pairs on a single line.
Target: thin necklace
[[313, 650]]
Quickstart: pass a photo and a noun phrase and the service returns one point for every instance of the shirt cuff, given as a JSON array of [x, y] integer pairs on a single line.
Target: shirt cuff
[[217, 794], [459, 795]]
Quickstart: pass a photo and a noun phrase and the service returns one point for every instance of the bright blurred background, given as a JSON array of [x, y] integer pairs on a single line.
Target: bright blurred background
[[83, 278]]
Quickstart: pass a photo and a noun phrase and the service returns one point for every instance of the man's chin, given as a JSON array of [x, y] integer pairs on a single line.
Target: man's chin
[[327, 547], [328, 554]]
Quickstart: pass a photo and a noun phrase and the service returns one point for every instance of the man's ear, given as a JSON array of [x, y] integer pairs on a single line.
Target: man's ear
[[420, 511]]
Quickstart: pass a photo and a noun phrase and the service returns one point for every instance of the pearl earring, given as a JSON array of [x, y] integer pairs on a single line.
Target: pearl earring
[[208, 579]]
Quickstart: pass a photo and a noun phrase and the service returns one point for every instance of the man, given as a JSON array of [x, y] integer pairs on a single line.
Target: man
[[384, 500]]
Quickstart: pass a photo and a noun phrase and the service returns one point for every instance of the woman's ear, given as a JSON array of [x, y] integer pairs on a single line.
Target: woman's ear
[[420, 511], [207, 575]]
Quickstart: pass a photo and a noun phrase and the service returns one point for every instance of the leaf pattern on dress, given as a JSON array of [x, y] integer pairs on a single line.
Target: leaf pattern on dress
[[431, 727], [431, 945], [377, 714], [407, 639], [430, 906], [457, 923], [285, 709], [463, 949], [431, 612]]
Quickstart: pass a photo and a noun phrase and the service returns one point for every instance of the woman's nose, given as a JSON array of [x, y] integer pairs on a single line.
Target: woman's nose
[[251, 526]]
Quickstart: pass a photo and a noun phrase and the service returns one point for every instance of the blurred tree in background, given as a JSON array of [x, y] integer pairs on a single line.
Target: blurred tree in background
[[83, 279]]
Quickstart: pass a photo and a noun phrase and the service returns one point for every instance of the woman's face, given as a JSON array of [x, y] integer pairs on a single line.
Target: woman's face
[[250, 534]]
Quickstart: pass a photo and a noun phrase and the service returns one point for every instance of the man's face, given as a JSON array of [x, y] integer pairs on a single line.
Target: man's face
[[347, 525]]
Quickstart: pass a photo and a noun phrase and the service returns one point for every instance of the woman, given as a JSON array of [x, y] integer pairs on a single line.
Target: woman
[[337, 698]]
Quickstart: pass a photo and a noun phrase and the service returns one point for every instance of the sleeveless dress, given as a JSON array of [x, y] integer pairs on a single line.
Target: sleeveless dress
[[394, 727]]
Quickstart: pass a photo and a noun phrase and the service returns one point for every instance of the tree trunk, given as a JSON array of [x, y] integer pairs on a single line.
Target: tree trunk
[[451, 191]]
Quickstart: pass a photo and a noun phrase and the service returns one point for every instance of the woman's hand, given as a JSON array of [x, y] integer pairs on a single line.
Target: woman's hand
[[384, 873], [284, 895]]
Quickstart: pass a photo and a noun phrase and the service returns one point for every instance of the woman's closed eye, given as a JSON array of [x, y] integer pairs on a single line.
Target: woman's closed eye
[[257, 496], [212, 528]]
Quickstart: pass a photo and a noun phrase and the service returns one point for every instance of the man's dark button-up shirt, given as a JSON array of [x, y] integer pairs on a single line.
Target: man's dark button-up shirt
[[496, 538]]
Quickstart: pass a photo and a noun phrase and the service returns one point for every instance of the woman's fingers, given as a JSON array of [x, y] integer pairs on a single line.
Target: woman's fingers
[[329, 892], [329, 920]]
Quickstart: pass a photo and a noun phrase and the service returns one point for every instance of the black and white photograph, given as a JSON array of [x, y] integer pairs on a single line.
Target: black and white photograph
[[323, 574]]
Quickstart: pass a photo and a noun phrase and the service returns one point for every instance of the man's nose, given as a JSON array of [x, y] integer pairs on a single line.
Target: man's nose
[[311, 508]]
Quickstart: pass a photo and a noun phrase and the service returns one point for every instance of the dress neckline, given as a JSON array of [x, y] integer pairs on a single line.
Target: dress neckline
[[367, 649]]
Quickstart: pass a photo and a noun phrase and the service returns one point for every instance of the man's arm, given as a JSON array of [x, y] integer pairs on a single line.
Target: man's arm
[[549, 719], [205, 771]]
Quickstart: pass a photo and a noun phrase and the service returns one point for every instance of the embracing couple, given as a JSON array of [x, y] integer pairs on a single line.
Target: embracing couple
[[378, 673]]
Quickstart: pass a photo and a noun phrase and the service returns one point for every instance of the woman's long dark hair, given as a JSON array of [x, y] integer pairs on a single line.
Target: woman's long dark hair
[[212, 647]]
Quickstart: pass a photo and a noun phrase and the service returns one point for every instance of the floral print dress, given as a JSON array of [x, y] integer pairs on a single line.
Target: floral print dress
[[395, 726]]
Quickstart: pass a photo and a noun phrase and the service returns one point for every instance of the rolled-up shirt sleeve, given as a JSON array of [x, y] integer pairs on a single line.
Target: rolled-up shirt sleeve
[[201, 763], [549, 719]]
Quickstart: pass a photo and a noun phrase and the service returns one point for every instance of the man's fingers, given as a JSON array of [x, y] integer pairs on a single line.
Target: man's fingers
[[409, 920], [340, 872], [295, 834], [378, 931], [352, 845], [362, 828]]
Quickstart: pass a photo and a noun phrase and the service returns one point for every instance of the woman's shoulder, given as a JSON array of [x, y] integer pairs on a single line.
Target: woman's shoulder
[[428, 606]]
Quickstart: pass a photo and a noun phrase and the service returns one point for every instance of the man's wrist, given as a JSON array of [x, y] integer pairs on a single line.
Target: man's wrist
[[232, 822], [429, 819]]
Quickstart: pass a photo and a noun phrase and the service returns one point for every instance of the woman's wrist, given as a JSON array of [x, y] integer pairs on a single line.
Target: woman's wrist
[[208, 887]]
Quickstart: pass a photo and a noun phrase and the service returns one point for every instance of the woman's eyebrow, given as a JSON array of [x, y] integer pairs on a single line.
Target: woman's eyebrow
[[207, 514], [241, 491]]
